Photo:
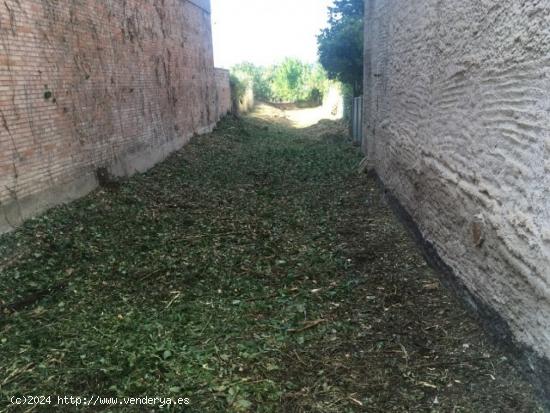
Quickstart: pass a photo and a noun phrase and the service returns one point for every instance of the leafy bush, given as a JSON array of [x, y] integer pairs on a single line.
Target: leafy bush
[[290, 81], [259, 76], [238, 86]]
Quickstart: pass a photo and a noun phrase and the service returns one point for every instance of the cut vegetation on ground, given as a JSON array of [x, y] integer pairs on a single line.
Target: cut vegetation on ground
[[254, 270]]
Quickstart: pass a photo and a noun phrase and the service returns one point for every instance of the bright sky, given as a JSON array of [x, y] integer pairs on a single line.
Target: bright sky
[[266, 31]]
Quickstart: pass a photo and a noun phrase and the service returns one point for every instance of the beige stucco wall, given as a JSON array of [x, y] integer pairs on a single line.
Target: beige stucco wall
[[457, 126]]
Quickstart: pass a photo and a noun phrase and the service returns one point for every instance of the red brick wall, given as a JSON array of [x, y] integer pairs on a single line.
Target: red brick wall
[[224, 91], [92, 83]]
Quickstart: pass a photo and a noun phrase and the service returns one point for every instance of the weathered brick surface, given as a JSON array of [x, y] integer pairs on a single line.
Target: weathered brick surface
[[457, 127], [89, 83], [224, 91]]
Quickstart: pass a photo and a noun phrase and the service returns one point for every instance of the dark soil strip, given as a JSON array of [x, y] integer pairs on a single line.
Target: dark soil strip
[[534, 367]]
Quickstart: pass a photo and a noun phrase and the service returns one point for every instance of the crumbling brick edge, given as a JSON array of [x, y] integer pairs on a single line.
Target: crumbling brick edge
[[15, 213], [532, 366]]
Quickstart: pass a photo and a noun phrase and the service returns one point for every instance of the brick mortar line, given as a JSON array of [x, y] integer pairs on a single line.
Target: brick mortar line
[[198, 6]]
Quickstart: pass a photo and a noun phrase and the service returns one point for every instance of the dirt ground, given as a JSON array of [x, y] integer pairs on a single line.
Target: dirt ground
[[254, 271], [294, 117]]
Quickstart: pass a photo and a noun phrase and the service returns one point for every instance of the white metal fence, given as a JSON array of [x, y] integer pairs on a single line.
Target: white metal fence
[[357, 120]]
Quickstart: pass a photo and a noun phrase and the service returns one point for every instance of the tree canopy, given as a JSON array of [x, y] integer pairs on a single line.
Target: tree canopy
[[341, 43], [289, 81], [259, 76]]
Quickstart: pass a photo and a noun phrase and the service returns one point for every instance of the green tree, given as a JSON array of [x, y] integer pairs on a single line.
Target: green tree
[[259, 76], [290, 81], [317, 84], [341, 44]]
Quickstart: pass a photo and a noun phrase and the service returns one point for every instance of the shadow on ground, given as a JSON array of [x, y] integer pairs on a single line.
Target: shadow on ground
[[255, 270]]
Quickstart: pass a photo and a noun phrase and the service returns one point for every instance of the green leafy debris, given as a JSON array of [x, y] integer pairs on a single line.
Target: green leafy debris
[[253, 271]]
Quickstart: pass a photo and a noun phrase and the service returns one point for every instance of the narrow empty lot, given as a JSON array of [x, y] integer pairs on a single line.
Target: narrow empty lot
[[255, 270]]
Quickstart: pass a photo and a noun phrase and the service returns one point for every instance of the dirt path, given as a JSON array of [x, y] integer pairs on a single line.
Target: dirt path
[[291, 116], [253, 271]]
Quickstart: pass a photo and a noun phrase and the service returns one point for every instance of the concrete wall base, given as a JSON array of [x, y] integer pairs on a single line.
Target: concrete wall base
[[14, 213]]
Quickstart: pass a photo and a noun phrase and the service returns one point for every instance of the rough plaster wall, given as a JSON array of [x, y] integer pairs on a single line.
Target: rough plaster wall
[[457, 126], [89, 83]]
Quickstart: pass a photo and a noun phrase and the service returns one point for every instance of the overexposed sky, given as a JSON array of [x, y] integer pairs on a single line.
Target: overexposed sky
[[265, 31]]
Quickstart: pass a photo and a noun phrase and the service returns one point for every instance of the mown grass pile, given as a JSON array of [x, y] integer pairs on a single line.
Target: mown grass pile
[[252, 271]]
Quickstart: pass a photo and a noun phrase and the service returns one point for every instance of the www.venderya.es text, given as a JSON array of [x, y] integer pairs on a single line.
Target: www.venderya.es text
[[99, 401]]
